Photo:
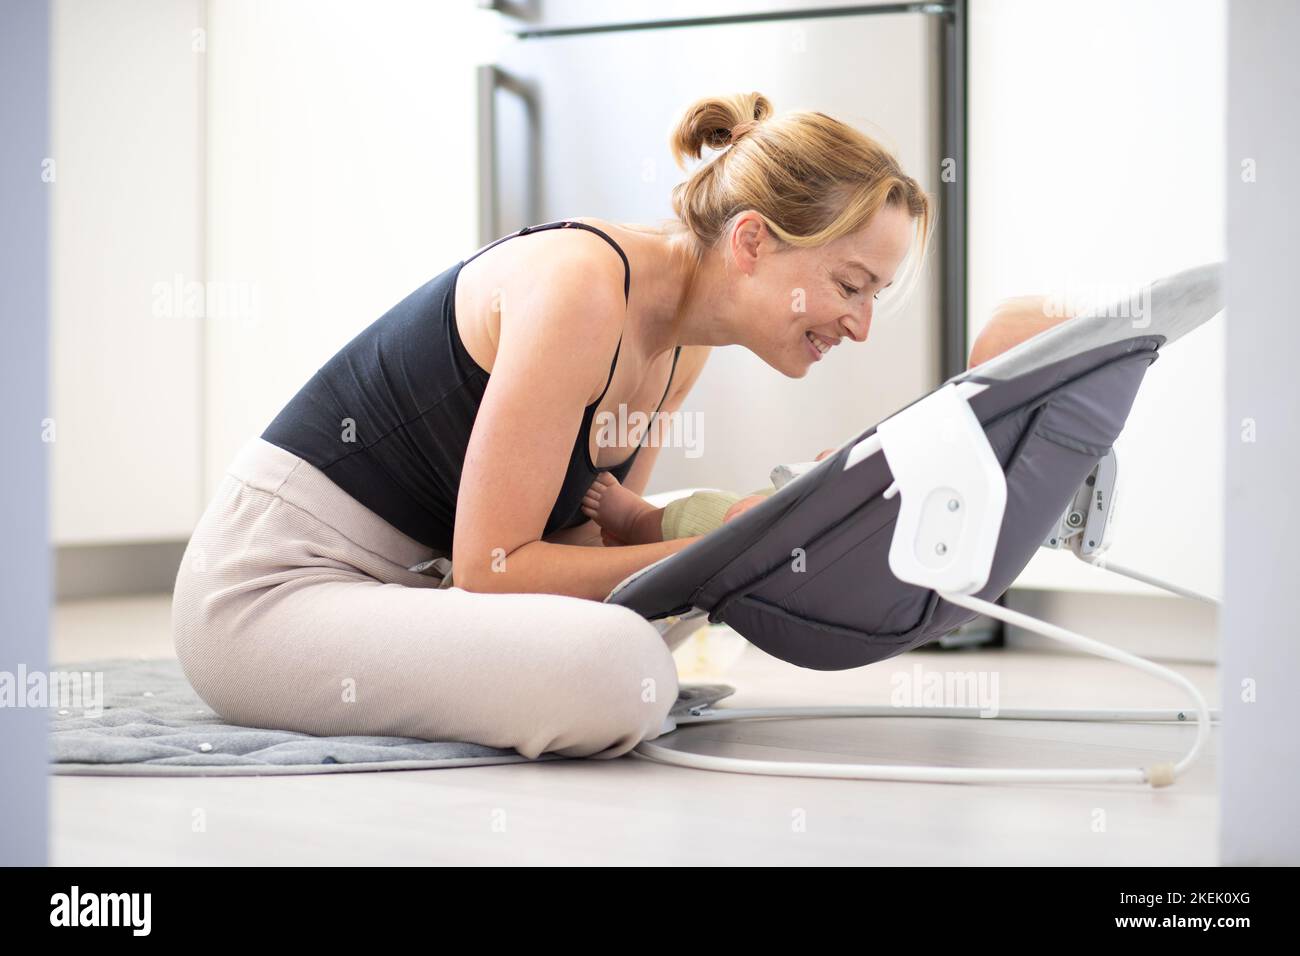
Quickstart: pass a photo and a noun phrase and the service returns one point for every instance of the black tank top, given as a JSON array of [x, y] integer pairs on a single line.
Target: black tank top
[[389, 417]]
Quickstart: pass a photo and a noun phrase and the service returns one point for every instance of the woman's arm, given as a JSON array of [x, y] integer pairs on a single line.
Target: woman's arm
[[541, 567], [553, 355], [586, 534]]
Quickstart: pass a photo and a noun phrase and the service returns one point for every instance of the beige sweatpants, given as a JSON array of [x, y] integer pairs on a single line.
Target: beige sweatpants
[[294, 609]]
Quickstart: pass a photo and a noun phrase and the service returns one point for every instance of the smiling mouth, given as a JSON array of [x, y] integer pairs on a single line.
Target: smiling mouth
[[820, 344]]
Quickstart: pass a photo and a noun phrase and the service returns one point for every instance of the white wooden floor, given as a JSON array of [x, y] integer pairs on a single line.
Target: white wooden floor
[[632, 811]]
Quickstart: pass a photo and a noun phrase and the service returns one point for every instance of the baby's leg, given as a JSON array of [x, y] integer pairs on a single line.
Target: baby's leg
[[706, 510], [623, 513]]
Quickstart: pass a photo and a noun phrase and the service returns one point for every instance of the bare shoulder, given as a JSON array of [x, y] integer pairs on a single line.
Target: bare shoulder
[[573, 276], [561, 284]]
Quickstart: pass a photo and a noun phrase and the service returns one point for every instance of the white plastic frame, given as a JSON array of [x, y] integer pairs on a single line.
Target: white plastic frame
[[920, 475]]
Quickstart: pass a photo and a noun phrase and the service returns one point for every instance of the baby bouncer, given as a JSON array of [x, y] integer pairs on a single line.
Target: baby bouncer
[[913, 527]]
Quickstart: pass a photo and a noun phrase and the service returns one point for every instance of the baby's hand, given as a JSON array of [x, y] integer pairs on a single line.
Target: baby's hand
[[743, 505]]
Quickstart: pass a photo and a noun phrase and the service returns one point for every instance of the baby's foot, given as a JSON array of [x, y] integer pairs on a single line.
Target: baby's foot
[[615, 508]]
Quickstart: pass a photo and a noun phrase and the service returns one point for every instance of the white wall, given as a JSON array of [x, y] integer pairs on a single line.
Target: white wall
[[126, 214], [1260, 767], [1096, 138], [240, 187], [289, 170], [341, 176]]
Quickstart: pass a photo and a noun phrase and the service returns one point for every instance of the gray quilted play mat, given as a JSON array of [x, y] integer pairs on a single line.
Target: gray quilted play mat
[[152, 723]]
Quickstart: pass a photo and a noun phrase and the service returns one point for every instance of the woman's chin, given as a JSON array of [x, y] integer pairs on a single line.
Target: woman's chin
[[805, 365], [784, 365], [791, 366]]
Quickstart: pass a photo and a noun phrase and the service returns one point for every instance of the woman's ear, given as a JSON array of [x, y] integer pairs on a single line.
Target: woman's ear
[[746, 239]]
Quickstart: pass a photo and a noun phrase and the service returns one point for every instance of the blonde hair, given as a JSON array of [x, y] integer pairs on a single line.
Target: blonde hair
[[809, 176]]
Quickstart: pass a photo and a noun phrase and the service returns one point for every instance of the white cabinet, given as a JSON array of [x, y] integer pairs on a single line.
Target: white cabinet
[[340, 177], [126, 206], [240, 187]]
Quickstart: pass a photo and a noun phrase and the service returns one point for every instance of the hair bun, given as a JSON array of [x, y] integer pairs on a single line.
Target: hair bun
[[809, 177], [718, 122], [740, 129]]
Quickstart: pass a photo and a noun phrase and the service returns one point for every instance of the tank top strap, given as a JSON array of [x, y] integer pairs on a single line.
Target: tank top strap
[[569, 224], [627, 465], [609, 381], [671, 372], [627, 266], [627, 278]]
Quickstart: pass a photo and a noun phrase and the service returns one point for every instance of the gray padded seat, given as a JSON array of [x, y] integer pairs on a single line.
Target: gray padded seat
[[1053, 407]]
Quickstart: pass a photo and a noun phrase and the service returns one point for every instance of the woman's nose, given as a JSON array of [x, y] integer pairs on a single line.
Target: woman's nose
[[857, 326]]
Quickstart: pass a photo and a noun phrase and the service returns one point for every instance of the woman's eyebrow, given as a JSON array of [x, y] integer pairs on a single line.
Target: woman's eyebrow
[[854, 263]]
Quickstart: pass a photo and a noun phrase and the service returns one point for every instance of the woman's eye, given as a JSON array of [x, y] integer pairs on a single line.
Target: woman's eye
[[849, 289]]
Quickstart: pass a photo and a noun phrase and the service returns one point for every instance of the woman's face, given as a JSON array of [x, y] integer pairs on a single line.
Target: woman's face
[[797, 303]]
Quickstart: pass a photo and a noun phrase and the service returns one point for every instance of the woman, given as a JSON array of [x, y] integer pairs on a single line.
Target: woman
[[459, 425]]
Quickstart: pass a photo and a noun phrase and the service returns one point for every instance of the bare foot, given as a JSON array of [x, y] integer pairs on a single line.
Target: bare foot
[[619, 512]]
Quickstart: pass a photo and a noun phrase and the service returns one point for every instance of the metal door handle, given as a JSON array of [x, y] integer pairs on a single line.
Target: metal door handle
[[490, 79]]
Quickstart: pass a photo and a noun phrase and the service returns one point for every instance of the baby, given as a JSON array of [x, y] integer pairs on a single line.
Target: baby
[[627, 518]]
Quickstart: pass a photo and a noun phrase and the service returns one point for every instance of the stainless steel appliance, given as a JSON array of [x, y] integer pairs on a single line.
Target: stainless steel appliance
[[575, 119]]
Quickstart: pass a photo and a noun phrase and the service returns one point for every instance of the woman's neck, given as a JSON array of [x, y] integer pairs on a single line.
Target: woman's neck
[[682, 298]]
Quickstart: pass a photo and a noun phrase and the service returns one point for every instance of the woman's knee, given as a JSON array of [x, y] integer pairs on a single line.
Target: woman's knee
[[618, 689], [593, 680]]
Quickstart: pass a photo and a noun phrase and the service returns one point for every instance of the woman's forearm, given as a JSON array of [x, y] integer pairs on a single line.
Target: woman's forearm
[[575, 570], [587, 533]]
